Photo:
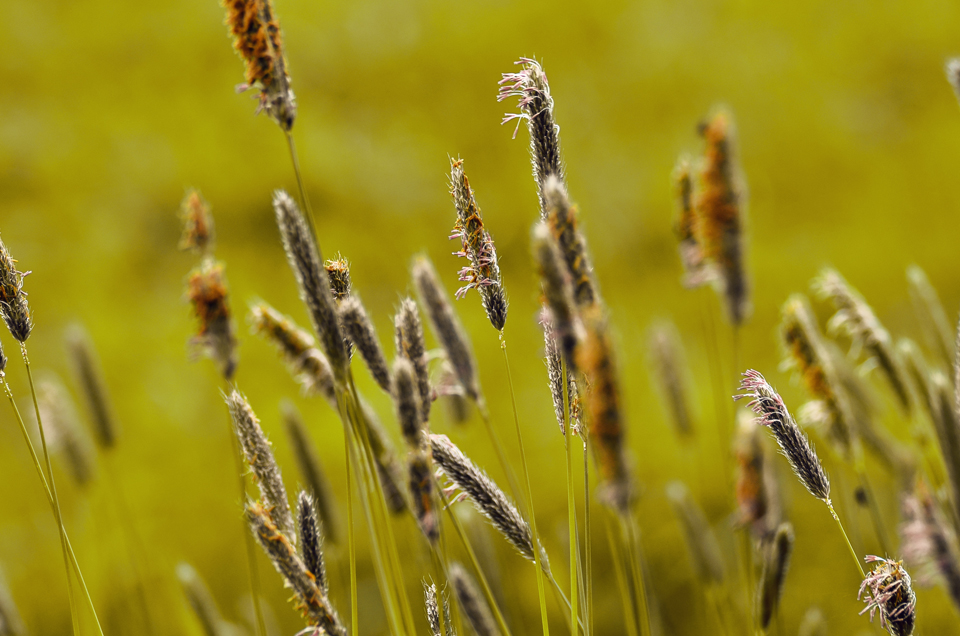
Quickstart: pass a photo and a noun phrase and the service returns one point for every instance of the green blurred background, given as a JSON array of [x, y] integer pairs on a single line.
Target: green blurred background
[[850, 143]]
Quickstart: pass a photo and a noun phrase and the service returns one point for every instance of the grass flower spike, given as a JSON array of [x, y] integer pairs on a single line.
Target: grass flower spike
[[207, 292], [198, 228], [695, 270], [358, 328], [93, 387], [889, 592], [13, 300], [483, 272], [772, 413], [256, 37], [410, 344]]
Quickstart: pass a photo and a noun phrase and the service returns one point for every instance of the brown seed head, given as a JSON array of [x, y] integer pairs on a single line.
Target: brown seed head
[[695, 270], [855, 318], [312, 601], [13, 300], [719, 202], [420, 482], [559, 383], [757, 492], [605, 416], [483, 272], [207, 293], [256, 37], [307, 363], [530, 86], [557, 291], [561, 217], [198, 232]]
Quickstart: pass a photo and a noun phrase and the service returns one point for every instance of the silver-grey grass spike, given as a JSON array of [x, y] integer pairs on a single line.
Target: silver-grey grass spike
[[530, 86], [410, 344], [63, 429], [446, 325], [314, 284], [667, 364], [358, 328], [313, 602], [926, 543], [813, 624], [13, 300], [775, 565], [953, 75], [10, 622], [259, 455], [311, 471], [929, 311], [485, 495], [472, 602], [557, 380], [89, 376], [311, 539], [201, 601], [433, 611], [406, 402], [769, 406], [702, 543], [947, 424], [483, 272], [856, 319], [562, 219], [557, 288], [306, 362]]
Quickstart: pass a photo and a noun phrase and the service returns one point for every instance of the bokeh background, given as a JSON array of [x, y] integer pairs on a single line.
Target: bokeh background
[[850, 143]]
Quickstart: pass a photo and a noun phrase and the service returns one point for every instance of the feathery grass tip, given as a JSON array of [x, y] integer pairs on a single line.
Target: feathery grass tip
[[772, 413], [889, 592], [432, 603], [208, 294], [483, 272], [13, 300]]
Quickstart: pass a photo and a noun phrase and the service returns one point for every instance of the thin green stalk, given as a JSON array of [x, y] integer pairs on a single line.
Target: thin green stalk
[[381, 508], [308, 212], [351, 548], [74, 615], [632, 539], [626, 596], [588, 535], [253, 572], [50, 500], [571, 501], [853, 552], [871, 502], [501, 454], [487, 592], [526, 474]]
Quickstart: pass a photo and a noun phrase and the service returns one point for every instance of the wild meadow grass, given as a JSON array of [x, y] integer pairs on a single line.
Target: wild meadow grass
[[391, 524]]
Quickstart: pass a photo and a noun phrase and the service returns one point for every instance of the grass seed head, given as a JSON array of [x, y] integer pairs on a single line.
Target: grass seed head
[[311, 600], [410, 344], [311, 539], [558, 381], [432, 603], [669, 370], [930, 314], [483, 272], [446, 325], [312, 280], [472, 602], [259, 456], [420, 483], [888, 591], [775, 565], [198, 229], [719, 201], [772, 413], [13, 300], [927, 543], [562, 219], [256, 37], [338, 271], [208, 294], [358, 328], [530, 87], [695, 269], [407, 402], [557, 288], [63, 429]]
